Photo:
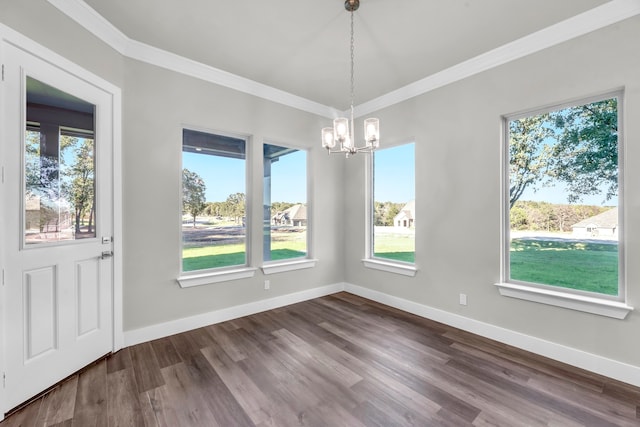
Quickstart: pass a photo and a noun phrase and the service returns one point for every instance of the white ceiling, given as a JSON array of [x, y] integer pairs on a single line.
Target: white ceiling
[[302, 47]]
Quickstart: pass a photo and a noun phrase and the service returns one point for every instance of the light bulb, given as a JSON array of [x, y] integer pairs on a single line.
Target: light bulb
[[327, 138]]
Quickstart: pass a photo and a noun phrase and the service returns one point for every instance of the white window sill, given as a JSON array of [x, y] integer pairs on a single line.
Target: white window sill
[[282, 266], [602, 307], [187, 281], [390, 267]]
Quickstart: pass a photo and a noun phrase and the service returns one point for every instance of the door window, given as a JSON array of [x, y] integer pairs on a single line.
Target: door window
[[59, 166]]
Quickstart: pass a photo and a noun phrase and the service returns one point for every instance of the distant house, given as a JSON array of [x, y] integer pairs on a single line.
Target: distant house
[[296, 215], [604, 225], [406, 216]]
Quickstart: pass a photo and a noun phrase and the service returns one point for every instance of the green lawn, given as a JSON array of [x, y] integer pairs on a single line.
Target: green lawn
[[214, 256], [589, 267], [398, 247]]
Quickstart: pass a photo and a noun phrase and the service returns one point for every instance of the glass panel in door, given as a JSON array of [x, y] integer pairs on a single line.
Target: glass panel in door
[[59, 166]]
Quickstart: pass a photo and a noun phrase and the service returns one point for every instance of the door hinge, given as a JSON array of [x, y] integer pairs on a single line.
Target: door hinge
[[4, 380], [2, 72], [3, 277]]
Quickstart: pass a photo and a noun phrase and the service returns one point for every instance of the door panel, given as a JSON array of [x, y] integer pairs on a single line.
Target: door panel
[[57, 203], [88, 294], [40, 311]]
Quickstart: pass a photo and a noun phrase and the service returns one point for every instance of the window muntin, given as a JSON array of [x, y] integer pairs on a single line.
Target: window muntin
[[563, 198], [285, 216], [393, 204], [213, 201]]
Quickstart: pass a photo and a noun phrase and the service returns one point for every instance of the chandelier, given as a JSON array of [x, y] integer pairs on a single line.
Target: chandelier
[[342, 130]]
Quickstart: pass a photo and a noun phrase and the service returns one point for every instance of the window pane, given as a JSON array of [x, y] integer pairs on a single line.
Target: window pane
[[213, 201], [285, 203], [563, 198], [59, 166], [394, 210]]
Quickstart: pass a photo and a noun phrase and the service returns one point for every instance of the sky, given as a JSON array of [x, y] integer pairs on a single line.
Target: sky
[[394, 174], [394, 168], [558, 195], [225, 176], [289, 178]]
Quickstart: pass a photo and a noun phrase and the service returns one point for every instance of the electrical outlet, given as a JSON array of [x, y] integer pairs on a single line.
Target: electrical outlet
[[463, 299], [267, 285]]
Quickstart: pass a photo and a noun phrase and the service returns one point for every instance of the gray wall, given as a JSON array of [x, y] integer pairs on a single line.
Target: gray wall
[[457, 135], [457, 130], [156, 103]]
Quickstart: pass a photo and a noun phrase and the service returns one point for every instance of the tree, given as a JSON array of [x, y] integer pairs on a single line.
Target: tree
[[79, 179], [392, 210], [577, 146], [193, 194], [235, 205], [529, 154], [214, 208], [379, 210], [586, 153]]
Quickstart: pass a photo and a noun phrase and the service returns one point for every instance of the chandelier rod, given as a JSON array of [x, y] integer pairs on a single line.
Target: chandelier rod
[[353, 91], [342, 132]]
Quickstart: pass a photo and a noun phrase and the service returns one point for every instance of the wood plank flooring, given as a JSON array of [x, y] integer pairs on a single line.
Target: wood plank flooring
[[339, 360]]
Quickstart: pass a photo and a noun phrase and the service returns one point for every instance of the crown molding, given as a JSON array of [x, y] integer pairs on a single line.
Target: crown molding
[[85, 16], [586, 22], [92, 21]]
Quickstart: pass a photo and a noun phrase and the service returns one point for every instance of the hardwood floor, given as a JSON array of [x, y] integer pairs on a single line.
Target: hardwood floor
[[334, 361]]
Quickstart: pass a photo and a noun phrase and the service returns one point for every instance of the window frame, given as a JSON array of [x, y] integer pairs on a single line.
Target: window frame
[[369, 260], [227, 273], [280, 266], [591, 302]]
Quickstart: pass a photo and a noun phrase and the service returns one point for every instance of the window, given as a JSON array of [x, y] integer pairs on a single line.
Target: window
[[285, 203], [213, 201], [563, 199], [394, 209]]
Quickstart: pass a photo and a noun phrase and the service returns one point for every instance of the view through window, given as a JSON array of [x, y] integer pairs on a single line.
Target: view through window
[[563, 200], [285, 203], [394, 211], [59, 166], [213, 201]]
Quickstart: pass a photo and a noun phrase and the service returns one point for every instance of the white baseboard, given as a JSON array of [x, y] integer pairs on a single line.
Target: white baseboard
[[601, 365], [166, 329]]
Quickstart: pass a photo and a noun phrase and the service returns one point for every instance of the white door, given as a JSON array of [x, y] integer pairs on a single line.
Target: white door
[[56, 238]]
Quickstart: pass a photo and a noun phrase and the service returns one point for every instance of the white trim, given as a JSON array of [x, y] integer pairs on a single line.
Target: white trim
[[92, 21], [600, 306], [576, 26], [390, 267], [591, 362], [3, 343], [118, 234], [283, 266], [85, 16], [189, 280], [165, 329], [586, 22]]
